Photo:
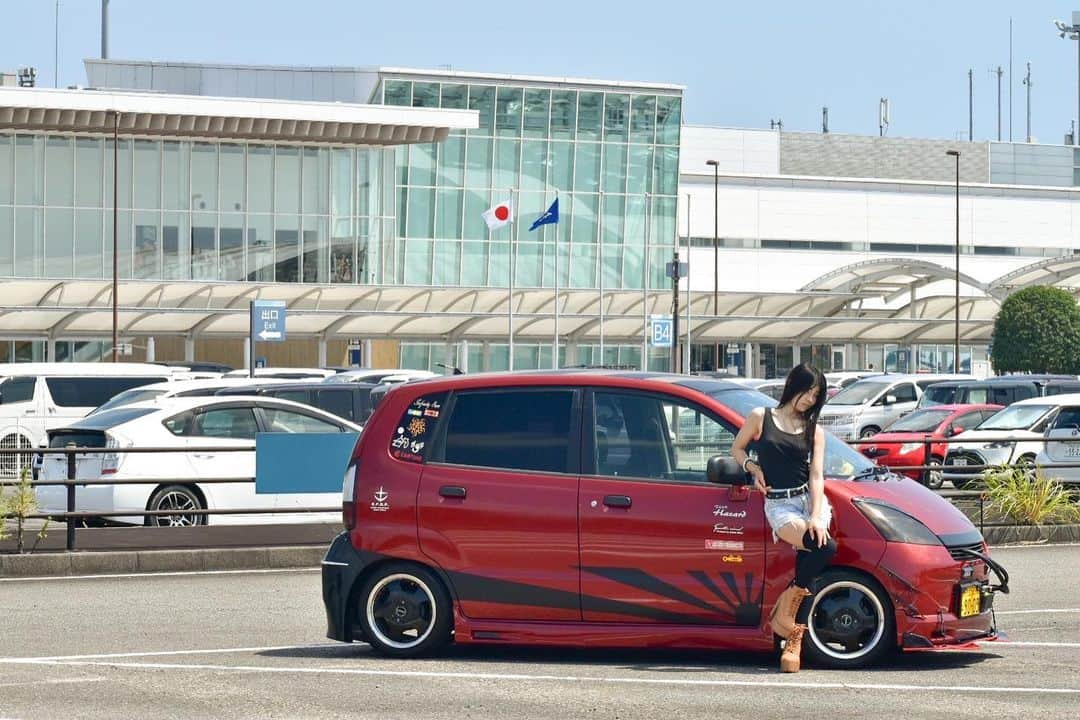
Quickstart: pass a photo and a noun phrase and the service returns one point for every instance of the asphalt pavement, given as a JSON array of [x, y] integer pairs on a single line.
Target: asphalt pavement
[[250, 644]]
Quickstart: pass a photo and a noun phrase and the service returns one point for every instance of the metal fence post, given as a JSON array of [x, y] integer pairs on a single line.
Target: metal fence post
[[70, 499], [926, 460]]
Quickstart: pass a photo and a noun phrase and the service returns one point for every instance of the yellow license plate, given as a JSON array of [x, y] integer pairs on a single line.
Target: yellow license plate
[[970, 601]]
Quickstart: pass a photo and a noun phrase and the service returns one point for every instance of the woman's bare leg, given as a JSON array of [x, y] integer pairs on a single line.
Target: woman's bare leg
[[793, 533]]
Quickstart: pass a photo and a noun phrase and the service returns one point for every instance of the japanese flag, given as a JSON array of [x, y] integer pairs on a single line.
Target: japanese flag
[[500, 215]]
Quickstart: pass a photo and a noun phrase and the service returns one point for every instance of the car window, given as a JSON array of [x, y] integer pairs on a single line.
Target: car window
[[17, 389], [130, 396], [300, 396], [91, 391], [1000, 395], [696, 437], [1069, 417], [905, 392], [919, 421], [507, 429], [290, 421], [237, 423], [416, 428], [938, 395], [179, 424], [336, 402], [968, 420]]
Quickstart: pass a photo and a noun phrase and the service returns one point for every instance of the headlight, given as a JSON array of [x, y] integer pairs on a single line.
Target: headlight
[[999, 444], [896, 525], [910, 447]]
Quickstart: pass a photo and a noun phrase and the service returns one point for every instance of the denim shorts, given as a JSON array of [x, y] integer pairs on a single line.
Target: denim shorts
[[782, 511]]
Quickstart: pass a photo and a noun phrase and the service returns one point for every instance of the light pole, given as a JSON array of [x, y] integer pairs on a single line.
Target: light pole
[[1073, 33], [715, 250], [956, 335]]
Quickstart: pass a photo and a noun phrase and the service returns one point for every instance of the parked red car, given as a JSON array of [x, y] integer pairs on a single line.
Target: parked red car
[[604, 508], [903, 443]]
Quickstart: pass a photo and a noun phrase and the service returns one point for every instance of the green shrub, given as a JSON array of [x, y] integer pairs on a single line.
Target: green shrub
[[19, 505], [1027, 496]]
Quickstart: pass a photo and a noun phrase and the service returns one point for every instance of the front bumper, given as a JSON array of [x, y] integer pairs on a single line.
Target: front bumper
[[341, 567], [957, 460]]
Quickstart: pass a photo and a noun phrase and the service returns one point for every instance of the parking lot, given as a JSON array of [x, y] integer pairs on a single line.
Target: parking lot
[[250, 644]]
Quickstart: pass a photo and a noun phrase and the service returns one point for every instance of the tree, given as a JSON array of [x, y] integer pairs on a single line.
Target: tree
[[1037, 330]]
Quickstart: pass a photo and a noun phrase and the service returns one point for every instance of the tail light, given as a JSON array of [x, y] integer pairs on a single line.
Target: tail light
[[348, 489], [110, 461]]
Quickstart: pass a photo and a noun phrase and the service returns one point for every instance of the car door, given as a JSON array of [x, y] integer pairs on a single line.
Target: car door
[[22, 422], [211, 434], [497, 504], [1065, 428], [287, 420], [904, 398], [660, 544]]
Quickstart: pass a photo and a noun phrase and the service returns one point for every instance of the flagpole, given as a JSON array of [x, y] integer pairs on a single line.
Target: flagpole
[[645, 290], [555, 350], [600, 224], [510, 299]]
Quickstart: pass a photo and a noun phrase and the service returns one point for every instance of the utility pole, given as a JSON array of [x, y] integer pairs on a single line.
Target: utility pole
[[971, 105], [1027, 84], [998, 72], [676, 365]]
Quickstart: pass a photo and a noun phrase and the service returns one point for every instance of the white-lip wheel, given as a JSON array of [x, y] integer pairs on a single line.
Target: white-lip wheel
[[404, 611], [851, 621]]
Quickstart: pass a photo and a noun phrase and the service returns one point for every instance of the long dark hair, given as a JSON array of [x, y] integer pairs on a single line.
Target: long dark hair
[[805, 377]]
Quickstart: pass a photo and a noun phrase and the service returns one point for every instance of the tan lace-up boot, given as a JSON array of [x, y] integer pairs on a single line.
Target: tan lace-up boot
[[791, 659], [787, 606]]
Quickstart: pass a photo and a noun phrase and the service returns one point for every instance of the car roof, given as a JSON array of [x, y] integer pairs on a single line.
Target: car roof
[[574, 377], [99, 369], [198, 384], [1052, 400]]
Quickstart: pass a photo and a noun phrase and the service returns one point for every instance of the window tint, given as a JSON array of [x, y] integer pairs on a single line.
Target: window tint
[[1001, 395], [1069, 417], [17, 389], [300, 396], [416, 427], [938, 395], [278, 420], [91, 391], [510, 429], [234, 423], [905, 393], [179, 424], [338, 402]]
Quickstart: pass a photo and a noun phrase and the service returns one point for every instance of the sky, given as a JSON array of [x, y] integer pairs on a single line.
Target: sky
[[742, 64]]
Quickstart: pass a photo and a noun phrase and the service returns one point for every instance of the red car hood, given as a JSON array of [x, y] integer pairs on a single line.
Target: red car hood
[[934, 511]]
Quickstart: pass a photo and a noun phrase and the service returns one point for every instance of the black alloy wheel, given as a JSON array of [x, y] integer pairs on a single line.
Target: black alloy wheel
[[851, 622], [404, 611]]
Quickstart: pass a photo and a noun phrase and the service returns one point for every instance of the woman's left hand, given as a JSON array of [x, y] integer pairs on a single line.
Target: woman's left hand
[[819, 531]]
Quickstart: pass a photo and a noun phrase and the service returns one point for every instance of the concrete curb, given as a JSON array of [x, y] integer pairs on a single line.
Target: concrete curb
[[1031, 534], [151, 561]]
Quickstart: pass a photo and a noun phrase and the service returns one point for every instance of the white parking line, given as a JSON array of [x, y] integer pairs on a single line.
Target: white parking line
[[54, 681], [161, 653], [1037, 612], [1021, 643], [518, 677], [185, 573]]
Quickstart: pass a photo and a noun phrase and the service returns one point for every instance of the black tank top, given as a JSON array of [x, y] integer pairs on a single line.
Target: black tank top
[[784, 456]]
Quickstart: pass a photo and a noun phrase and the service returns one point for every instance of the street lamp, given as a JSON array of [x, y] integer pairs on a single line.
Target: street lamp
[[715, 249], [1073, 33], [956, 347]]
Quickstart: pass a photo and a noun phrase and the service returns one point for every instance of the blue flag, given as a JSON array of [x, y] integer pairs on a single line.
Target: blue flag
[[548, 218]]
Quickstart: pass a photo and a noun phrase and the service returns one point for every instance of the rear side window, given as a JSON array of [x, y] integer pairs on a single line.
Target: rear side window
[[415, 430], [300, 396], [939, 395], [91, 391], [232, 423], [1069, 417], [337, 402], [904, 393], [17, 389], [511, 430]]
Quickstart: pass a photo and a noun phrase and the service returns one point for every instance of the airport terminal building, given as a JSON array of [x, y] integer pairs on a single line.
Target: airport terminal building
[[356, 195]]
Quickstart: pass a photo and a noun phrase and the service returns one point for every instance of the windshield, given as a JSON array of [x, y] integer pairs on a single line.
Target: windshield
[[110, 419], [919, 421], [938, 395], [858, 393], [1015, 417], [126, 398], [840, 460]]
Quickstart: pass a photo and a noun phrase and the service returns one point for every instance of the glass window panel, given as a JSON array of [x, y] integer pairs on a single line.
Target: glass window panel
[[7, 242], [30, 169], [668, 119], [536, 112], [454, 96], [59, 172], [447, 262], [316, 175], [232, 177], [658, 257], [59, 249], [88, 172], [482, 99], [499, 263], [587, 167], [452, 162], [528, 265], [585, 214], [561, 165], [476, 202], [590, 105], [614, 208], [563, 114], [417, 262], [175, 260], [341, 182], [421, 211], [123, 243], [204, 246], [260, 248], [533, 165], [662, 221], [527, 207], [286, 249], [666, 170], [474, 266], [583, 266], [478, 163], [231, 246], [401, 161], [287, 180], [204, 184], [146, 258], [403, 211], [7, 172], [508, 107], [425, 94], [639, 171], [448, 219], [615, 167], [422, 164], [147, 175], [176, 175], [316, 250], [507, 161], [632, 257], [342, 254], [643, 119], [260, 175], [397, 92], [616, 108]]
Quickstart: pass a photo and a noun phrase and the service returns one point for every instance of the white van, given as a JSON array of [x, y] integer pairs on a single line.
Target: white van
[[865, 407], [35, 397]]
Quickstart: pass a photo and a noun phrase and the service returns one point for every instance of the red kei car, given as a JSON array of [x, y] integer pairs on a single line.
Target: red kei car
[[903, 443], [604, 508]]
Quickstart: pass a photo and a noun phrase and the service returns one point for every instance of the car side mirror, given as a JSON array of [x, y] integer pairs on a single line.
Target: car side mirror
[[724, 470], [890, 399]]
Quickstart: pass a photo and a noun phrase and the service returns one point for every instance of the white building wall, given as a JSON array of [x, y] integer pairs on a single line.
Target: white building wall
[[743, 152]]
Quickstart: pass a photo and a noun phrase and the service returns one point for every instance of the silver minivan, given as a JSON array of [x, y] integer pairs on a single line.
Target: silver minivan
[[867, 406]]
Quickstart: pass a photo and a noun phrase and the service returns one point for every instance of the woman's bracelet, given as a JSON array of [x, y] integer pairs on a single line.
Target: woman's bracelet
[[747, 461]]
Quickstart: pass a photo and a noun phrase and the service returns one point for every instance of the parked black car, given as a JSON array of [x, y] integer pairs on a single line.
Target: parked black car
[[351, 401], [1000, 390]]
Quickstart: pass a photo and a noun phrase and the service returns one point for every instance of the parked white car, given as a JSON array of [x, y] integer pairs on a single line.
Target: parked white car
[[282, 372], [1065, 426], [386, 375], [866, 406], [172, 477], [182, 388]]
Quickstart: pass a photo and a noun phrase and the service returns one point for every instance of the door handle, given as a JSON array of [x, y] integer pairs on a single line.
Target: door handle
[[617, 501], [30, 411], [204, 455], [452, 491]]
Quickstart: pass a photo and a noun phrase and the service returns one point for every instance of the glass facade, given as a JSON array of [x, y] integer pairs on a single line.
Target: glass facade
[[194, 210]]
